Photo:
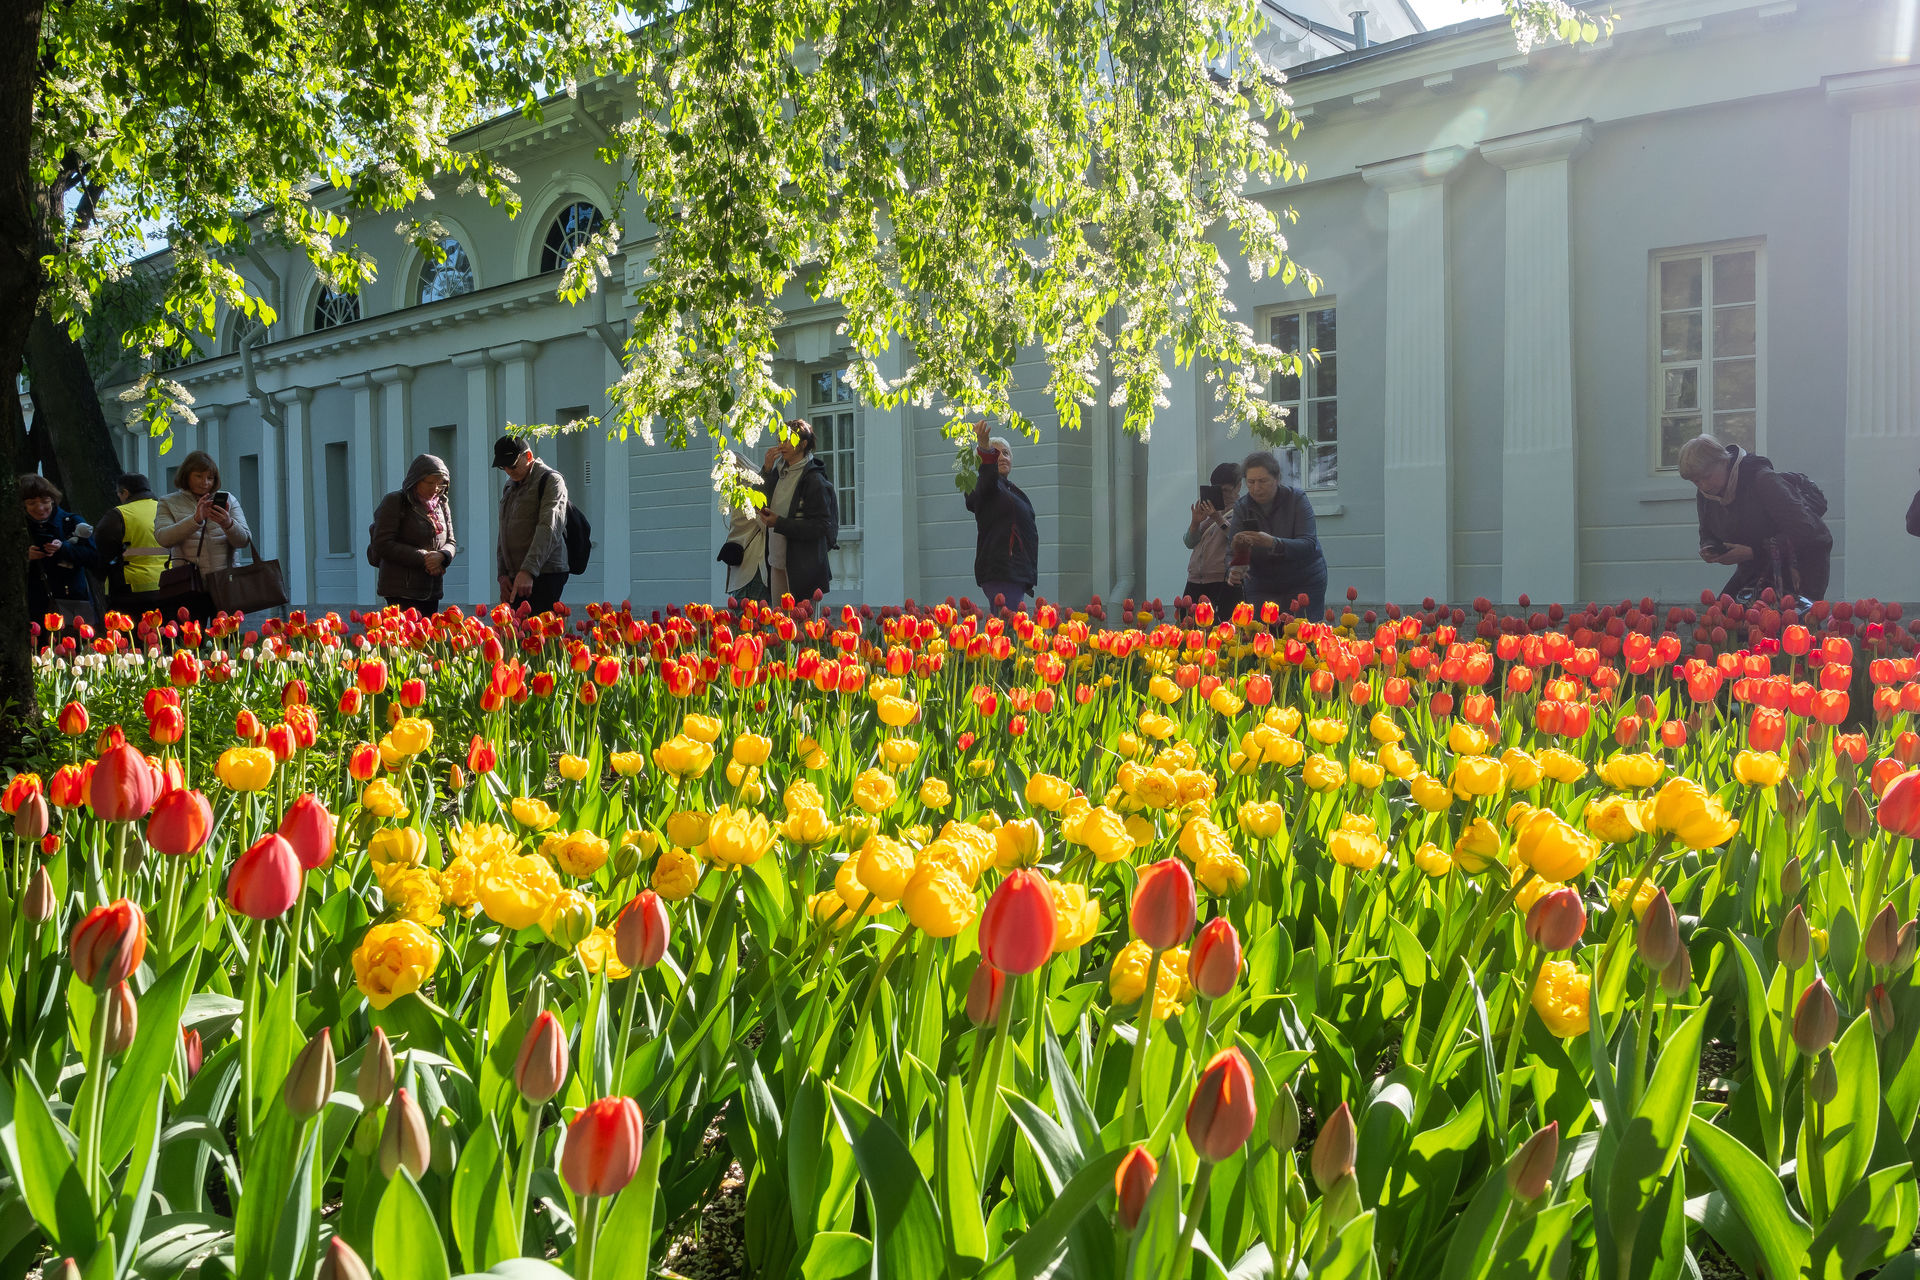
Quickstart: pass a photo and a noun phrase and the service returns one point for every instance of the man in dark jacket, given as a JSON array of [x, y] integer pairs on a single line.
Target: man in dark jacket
[[802, 515], [1274, 529], [1006, 554], [1758, 521], [531, 557], [413, 537]]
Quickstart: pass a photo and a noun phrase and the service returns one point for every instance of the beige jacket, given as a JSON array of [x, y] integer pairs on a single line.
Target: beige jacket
[[209, 546]]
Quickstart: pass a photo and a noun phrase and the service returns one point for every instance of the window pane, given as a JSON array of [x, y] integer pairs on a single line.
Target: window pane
[[1683, 389], [1284, 332], [1676, 430], [1679, 284], [1290, 466], [1733, 277], [822, 388], [1324, 339], [338, 541], [1733, 330], [1680, 336], [1326, 468], [1735, 428], [1286, 388], [1326, 427], [1324, 382], [1733, 384]]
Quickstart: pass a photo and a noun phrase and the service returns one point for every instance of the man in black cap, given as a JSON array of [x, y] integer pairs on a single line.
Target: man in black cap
[[532, 555]]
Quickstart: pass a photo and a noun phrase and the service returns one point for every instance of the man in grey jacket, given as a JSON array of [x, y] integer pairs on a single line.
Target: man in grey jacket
[[532, 555]]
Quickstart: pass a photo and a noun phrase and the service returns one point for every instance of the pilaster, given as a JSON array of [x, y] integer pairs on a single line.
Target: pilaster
[[476, 505], [890, 551], [613, 527], [1174, 468], [296, 560], [213, 418], [363, 456]]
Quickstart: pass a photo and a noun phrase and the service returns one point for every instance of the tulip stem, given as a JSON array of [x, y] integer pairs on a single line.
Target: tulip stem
[[249, 1024], [1143, 1031], [880, 975], [1514, 1032], [1642, 1038], [1196, 1204], [523, 1189], [988, 1084], [1816, 1144], [93, 1179], [626, 1032], [589, 1237]]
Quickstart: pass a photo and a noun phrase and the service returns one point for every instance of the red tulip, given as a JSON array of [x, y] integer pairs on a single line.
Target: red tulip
[[280, 741], [350, 701], [640, 934], [1334, 1149], [1557, 919], [180, 824], [266, 879], [413, 693], [363, 763], [1163, 905], [1131, 1183], [541, 1067], [69, 785], [1221, 1114], [195, 1054], [308, 827], [1213, 966], [19, 788], [481, 756], [73, 720], [123, 1019], [123, 786], [603, 1147], [1899, 810], [109, 944], [167, 725], [1017, 926], [371, 677], [985, 992]]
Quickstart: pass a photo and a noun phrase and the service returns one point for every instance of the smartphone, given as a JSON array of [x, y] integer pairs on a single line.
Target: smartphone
[[1210, 494], [1242, 555], [1715, 548], [222, 500]]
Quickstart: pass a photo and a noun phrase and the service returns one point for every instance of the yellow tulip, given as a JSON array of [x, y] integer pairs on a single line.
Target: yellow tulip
[[1140, 831], [568, 920], [1366, 773], [1465, 740], [897, 713], [1105, 833], [1324, 774], [1221, 872], [801, 794], [1048, 792], [481, 842], [532, 813], [396, 846], [687, 828], [1225, 701], [1562, 766], [411, 735], [885, 866], [1383, 730], [899, 752], [1617, 896], [597, 952], [1164, 689], [1615, 819], [676, 875], [1158, 727], [683, 757], [1398, 761], [578, 853], [392, 960], [1478, 847], [1325, 730], [1201, 837], [812, 758], [803, 827], [937, 900], [1432, 860], [1523, 771], [1285, 720], [412, 893], [1362, 851], [1128, 745], [1477, 776], [704, 729], [382, 799], [1553, 847], [1631, 772], [1759, 768], [752, 748], [628, 764], [516, 890], [1261, 819], [737, 837], [244, 768], [460, 884], [1430, 793], [1127, 980], [1560, 997], [934, 794], [1684, 810], [1075, 918], [874, 791], [574, 768]]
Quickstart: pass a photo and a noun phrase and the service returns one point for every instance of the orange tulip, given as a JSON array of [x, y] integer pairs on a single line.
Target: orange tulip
[[180, 823], [1221, 1114], [1213, 966], [603, 1147], [109, 944], [1163, 905], [123, 786], [266, 879], [541, 1067], [640, 934], [1017, 927], [1131, 1183], [1899, 810], [309, 828]]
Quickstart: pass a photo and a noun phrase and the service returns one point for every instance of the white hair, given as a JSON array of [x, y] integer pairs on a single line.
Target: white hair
[[1000, 443]]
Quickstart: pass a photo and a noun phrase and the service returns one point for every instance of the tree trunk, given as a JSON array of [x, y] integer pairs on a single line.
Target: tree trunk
[[20, 285], [68, 409]]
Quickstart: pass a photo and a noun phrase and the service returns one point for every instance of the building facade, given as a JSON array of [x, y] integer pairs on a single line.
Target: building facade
[[1540, 271]]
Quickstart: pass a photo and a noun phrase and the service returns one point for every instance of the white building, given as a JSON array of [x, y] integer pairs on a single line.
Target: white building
[[1541, 271]]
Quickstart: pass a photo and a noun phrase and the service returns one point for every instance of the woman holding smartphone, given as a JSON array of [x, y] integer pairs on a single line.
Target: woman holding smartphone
[[1209, 537], [201, 523], [1273, 529]]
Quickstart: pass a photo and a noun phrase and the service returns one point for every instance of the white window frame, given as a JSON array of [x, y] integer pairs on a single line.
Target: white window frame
[[819, 412], [1657, 367], [1300, 420]]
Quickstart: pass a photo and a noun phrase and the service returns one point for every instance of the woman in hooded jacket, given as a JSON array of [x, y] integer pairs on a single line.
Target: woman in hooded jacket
[[413, 538]]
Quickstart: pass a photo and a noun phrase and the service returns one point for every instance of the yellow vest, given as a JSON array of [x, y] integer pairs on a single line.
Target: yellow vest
[[142, 572]]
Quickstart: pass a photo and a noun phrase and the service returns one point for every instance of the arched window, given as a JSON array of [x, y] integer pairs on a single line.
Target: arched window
[[572, 227], [331, 309], [448, 278], [237, 332]]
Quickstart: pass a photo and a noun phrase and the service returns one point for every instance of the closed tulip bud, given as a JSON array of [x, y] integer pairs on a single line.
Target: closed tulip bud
[[603, 1147], [338, 1261], [123, 1019], [1799, 759], [1296, 1201], [1213, 966], [541, 1068], [985, 991], [1883, 938], [308, 827], [1795, 942], [640, 934], [404, 1140], [1880, 1007], [1790, 880], [1657, 937], [1164, 906], [1532, 1165], [192, 1050], [1678, 975], [69, 1270], [1556, 920], [626, 861], [1792, 803], [31, 819], [1903, 948], [40, 904], [123, 786], [1824, 1083], [1221, 1114], [1131, 1183], [1816, 1019], [266, 880], [1854, 817], [1334, 1149], [109, 944], [1017, 928], [375, 1083], [310, 1082], [1283, 1122]]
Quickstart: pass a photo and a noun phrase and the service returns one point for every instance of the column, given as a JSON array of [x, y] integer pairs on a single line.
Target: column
[[890, 554], [1173, 481], [613, 530], [363, 456], [1883, 331], [476, 504], [1539, 488], [296, 405], [1417, 427]]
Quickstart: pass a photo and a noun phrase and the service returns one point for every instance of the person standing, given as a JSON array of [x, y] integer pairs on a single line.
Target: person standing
[[201, 523], [1006, 553], [532, 553], [1273, 527], [1760, 521], [127, 543], [801, 516], [1208, 536], [413, 539], [59, 551], [745, 550]]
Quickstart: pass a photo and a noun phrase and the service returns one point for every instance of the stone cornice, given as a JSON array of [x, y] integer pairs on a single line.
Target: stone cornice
[[1881, 87], [1556, 142], [1419, 170], [393, 373]]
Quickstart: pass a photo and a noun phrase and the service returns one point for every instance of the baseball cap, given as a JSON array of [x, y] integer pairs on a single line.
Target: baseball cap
[[507, 451]]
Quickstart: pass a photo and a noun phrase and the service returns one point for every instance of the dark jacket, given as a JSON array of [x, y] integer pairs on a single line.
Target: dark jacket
[[811, 528], [1767, 514], [533, 524], [1280, 573], [404, 532], [1007, 548], [1913, 516], [63, 575]]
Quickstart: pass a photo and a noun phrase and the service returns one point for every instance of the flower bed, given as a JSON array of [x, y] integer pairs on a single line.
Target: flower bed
[[985, 947]]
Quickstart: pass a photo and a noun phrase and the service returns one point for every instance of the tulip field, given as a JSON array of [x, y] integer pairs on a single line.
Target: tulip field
[[1084, 943]]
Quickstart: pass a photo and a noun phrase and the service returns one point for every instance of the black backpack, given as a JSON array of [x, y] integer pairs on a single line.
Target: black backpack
[[1806, 490], [579, 535]]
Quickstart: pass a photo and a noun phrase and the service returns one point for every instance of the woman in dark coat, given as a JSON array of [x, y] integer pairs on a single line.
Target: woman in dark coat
[[1006, 555], [802, 516], [413, 537], [1757, 520], [59, 549], [1273, 527]]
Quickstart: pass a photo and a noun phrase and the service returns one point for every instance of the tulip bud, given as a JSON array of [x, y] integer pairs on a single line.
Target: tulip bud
[[109, 944], [1017, 927], [1854, 817], [1882, 939], [40, 904], [1880, 1007], [640, 934], [985, 991], [69, 1270], [375, 1083], [1296, 1201], [602, 1149], [123, 1020], [1816, 1019], [192, 1051], [1657, 937], [626, 861], [541, 1068], [1131, 1183], [1532, 1165], [338, 1261], [1222, 1112], [571, 923], [309, 828], [1903, 948], [1283, 1122], [1824, 1083], [1799, 759], [1792, 804], [1164, 906], [404, 1140], [310, 1082], [266, 880], [1795, 940], [1334, 1149], [1790, 879], [31, 819], [1213, 966], [1556, 920]]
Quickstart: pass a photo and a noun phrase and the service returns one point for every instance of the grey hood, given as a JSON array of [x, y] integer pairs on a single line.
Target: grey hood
[[423, 466]]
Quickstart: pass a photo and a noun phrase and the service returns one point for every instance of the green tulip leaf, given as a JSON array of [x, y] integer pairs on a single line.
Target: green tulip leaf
[[626, 1237], [41, 1154], [836, 1255], [908, 1235], [406, 1239], [483, 1224], [1848, 1124], [1755, 1195]]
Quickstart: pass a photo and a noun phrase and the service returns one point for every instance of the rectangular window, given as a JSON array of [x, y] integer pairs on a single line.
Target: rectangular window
[[1707, 322], [572, 458], [339, 535], [834, 412], [250, 500], [1313, 396], [441, 442]]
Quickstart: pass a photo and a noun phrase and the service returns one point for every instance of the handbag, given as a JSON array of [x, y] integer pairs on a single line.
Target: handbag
[[248, 588]]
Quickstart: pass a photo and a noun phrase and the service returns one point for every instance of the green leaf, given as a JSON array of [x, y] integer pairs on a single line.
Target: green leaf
[[1849, 1123], [142, 1073], [1756, 1197], [959, 1185], [406, 1239], [136, 1187], [1651, 1142], [482, 1220], [836, 1255], [1156, 1237], [1539, 1246], [42, 1153], [1871, 1222], [907, 1238], [269, 1175], [1059, 1154], [295, 1231], [1350, 1255], [629, 1221]]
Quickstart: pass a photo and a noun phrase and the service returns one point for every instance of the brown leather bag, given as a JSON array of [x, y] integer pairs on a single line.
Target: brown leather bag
[[248, 588]]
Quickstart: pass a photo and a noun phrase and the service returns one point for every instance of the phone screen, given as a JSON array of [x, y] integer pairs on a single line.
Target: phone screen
[[1210, 494]]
